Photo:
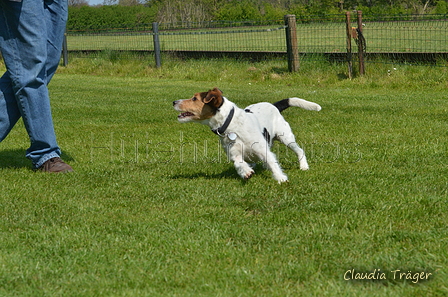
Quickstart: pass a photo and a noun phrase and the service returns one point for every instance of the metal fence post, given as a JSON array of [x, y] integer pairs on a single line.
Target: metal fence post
[[65, 50], [361, 45], [155, 31], [292, 47]]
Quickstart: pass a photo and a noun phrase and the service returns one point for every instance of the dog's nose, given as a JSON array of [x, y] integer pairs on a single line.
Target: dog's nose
[[174, 102]]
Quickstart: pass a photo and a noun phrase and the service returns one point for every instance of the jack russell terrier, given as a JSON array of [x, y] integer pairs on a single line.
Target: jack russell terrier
[[246, 134]]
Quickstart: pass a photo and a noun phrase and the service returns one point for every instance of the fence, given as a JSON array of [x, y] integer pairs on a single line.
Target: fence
[[406, 38], [187, 39]]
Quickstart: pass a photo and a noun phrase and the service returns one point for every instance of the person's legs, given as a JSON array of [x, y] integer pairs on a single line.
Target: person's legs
[[56, 13], [31, 49], [9, 111]]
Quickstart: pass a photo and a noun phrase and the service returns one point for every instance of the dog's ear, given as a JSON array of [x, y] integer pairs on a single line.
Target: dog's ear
[[218, 90], [214, 97]]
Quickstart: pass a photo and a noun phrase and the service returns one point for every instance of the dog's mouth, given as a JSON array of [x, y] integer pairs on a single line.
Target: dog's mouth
[[185, 115]]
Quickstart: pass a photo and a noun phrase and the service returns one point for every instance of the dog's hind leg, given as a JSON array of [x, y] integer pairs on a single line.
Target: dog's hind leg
[[274, 166], [300, 155], [289, 140]]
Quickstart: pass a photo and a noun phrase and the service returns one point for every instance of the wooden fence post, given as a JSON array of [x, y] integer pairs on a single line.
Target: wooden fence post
[[292, 47], [155, 31], [349, 44], [361, 44]]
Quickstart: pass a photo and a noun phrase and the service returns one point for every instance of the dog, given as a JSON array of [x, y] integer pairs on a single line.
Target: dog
[[246, 134]]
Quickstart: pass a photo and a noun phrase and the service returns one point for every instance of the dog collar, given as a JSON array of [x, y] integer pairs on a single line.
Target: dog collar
[[220, 131]]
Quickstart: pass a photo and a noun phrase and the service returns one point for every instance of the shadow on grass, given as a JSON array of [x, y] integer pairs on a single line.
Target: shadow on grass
[[229, 173], [342, 76], [280, 70], [16, 159]]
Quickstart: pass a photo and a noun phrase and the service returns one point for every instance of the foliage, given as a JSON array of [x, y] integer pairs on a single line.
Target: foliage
[[173, 11], [109, 16], [238, 10], [269, 11], [124, 13], [441, 7], [78, 3]]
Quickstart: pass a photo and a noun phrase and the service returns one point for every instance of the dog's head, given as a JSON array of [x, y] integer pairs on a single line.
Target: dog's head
[[200, 107]]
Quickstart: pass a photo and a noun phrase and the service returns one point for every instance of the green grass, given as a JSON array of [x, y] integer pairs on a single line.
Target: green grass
[[142, 216]]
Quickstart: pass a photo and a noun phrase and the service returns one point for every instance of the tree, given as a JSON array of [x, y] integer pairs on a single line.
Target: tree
[[172, 11], [128, 2], [77, 3], [110, 2]]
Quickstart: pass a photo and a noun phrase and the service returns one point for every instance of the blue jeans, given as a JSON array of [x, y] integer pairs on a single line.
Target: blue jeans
[[31, 36]]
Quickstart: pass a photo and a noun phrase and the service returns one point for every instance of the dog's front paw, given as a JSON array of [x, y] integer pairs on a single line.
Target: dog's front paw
[[244, 171], [249, 175]]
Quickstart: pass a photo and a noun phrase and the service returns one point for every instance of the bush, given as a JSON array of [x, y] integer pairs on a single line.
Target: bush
[[238, 11], [441, 7], [272, 13], [133, 17], [109, 16]]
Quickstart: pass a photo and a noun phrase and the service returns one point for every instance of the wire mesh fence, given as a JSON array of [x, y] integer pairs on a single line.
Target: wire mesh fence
[[200, 37], [410, 38], [321, 36]]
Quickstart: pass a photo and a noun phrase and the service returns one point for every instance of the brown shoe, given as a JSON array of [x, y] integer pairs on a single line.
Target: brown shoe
[[55, 165]]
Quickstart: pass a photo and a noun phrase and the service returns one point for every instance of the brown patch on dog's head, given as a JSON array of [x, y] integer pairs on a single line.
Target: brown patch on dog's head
[[200, 107], [214, 98]]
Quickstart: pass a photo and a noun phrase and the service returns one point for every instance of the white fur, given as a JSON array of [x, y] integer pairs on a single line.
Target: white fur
[[297, 102], [250, 144]]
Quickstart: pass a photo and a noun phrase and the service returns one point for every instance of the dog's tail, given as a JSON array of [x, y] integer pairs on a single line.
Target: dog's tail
[[297, 102]]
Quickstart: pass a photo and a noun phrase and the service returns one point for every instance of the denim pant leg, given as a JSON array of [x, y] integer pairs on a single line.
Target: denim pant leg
[[31, 34], [56, 14], [9, 110]]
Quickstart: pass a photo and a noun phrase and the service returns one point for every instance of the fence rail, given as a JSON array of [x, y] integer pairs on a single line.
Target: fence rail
[[422, 38]]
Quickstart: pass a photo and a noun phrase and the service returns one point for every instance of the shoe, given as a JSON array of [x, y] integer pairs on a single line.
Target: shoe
[[55, 165]]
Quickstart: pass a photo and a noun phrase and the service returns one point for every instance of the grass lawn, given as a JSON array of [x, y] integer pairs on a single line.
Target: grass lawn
[[155, 209]]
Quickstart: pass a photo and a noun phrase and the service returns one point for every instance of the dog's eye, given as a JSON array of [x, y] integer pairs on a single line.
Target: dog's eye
[[194, 99]]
